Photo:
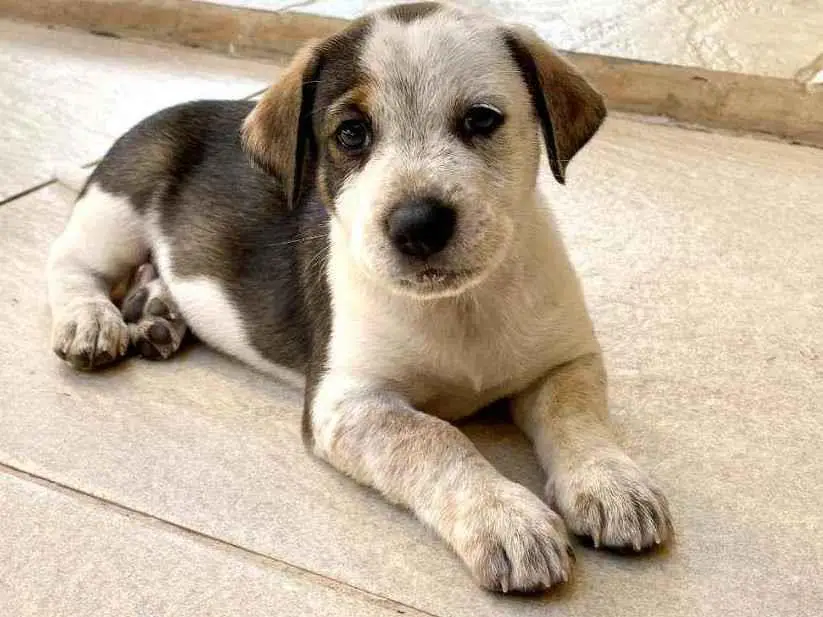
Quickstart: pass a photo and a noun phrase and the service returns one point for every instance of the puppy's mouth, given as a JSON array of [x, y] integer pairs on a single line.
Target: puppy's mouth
[[436, 280]]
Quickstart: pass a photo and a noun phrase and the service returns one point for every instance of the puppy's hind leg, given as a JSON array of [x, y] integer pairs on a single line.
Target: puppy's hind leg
[[156, 326], [101, 245]]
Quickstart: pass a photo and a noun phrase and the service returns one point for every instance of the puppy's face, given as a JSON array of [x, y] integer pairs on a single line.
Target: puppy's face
[[424, 142], [430, 152]]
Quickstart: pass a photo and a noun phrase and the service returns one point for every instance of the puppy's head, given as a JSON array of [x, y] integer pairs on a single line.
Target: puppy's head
[[418, 127]]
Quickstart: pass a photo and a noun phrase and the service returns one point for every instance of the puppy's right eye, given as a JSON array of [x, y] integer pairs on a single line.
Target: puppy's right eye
[[353, 135], [481, 121]]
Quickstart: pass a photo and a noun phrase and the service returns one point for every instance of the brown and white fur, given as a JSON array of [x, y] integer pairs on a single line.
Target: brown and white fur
[[291, 265]]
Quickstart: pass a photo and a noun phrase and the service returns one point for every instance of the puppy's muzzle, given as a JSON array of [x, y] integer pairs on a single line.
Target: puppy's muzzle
[[421, 227]]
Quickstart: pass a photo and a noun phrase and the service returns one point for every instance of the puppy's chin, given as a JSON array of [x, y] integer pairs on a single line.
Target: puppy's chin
[[434, 281]]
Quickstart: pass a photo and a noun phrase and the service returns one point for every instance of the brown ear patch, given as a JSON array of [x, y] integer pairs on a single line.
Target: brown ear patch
[[569, 109], [274, 134]]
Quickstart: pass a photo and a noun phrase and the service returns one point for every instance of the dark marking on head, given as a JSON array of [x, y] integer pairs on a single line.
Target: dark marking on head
[[341, 77], [407, 13]]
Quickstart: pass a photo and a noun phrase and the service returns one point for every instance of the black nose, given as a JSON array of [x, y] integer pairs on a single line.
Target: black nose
[[421, 227]]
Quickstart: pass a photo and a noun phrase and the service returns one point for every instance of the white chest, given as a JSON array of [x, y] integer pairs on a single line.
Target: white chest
[[452, 357]]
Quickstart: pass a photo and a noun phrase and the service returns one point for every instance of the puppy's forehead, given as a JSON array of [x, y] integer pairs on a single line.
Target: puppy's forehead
[[439, 57]]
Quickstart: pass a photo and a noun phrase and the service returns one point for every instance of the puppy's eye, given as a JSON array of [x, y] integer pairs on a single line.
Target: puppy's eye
[[481, 120], [353, 135]]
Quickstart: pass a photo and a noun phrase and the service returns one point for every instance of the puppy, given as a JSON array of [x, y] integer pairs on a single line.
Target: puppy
[[390, 245]]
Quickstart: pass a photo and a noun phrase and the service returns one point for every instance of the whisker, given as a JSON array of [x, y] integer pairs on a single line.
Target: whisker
[[297, 239]]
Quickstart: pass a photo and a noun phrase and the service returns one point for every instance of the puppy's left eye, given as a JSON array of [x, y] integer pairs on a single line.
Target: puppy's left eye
[[353, 135], [481, 120]]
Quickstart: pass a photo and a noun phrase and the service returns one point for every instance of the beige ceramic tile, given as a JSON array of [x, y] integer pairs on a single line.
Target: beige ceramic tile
[[65, 95], [65, 555], [701, 257]]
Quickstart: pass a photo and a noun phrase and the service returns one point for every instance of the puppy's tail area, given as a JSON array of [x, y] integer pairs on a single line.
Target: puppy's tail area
[[72, 177]]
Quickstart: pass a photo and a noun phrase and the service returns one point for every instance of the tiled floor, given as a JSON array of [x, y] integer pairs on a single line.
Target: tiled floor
[[67, 554], [182, 488], [80, 108], [776, 39]]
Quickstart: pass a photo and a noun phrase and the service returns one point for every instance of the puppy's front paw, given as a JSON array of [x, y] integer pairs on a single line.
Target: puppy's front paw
[[89, 335], [612, 501], [512, 541]]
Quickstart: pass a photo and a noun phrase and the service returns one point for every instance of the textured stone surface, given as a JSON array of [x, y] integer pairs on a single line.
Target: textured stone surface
[[746, 36], [701, 258], [64, 96]]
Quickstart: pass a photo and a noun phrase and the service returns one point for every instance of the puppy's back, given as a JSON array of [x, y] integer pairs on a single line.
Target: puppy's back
[[166, 147]]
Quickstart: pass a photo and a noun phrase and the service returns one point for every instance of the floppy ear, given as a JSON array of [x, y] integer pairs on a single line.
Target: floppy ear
[[277, 134], [569, 109]]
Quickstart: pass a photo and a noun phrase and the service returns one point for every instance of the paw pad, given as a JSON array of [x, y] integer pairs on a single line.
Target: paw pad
[[156, 328]]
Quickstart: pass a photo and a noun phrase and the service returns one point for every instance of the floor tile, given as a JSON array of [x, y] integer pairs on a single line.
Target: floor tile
[[65, 555], [701, 259], [64, 96]]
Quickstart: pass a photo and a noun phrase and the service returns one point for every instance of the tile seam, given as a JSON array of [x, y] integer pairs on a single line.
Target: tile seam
[[215, 542]]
